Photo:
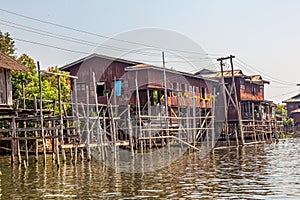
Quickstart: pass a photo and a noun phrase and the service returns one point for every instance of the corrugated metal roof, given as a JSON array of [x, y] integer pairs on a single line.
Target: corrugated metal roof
[[296, 111], [293, 99], [227, 73], [9, 63], [95, 55], [258, 78]]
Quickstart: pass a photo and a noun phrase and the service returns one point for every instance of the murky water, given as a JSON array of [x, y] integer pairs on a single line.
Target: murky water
[[265, 171]]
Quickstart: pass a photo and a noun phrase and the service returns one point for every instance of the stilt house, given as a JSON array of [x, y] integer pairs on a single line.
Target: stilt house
[[6, 65]]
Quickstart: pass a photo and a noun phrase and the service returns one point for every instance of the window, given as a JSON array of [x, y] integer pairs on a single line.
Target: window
[[203, 92], [183, 88], [118, 87], [175, 89], [81, 87], [100, 88], [253, 91]]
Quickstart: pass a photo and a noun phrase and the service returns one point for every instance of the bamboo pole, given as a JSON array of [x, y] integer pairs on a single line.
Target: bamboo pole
[[25, 124], [194, 115], [253, 123], [35, 132], [113, 130], [41, 112], [104, 130], [53, 133], [61, 121], [213, 119], [166, 101], [139, 111], [99, 131], [130, 132], [26, 145], [88, 124], [76, 119], [149, 114]]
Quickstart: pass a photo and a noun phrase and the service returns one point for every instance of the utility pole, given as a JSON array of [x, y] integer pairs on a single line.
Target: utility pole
[[234, 101], [238, 105], [225, 101], [166, 101]]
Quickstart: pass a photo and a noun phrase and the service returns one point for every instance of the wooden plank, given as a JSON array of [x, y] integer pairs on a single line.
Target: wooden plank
[[120, 143]]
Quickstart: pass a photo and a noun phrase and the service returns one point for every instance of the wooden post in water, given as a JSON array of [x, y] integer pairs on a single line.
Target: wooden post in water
[[139, 112], [88, 123], [149, 117], [53, 133], [104, 130], [213, 118], [130, 131], [76, 121], [41, 112], [253, 122], [35, 132], [99, 130], [194, 116], [25, 125], [166, 103], [61, 121], [113, 130]]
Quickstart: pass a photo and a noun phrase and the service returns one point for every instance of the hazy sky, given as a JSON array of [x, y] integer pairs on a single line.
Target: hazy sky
[[264, 35]]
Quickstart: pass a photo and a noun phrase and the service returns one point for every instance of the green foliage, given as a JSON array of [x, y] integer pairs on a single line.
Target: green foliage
[[281, 110], [30, 80], [7, 45]]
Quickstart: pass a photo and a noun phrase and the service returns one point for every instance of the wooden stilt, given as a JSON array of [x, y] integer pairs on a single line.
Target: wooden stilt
[[35, 132], [99, 130], [149, 119], [88, 124], [130, 132], [61, 122], [41, 112]]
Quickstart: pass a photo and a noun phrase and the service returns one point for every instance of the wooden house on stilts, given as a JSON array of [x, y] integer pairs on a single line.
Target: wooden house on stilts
[[163, 105], [7, 64], [257, 116]]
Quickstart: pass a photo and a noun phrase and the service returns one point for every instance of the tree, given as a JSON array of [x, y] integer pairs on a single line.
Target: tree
[[7, 45], [30, 80], [287, 121]]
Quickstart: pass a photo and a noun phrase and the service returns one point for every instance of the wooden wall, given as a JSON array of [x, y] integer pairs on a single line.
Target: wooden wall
[[5, 88]]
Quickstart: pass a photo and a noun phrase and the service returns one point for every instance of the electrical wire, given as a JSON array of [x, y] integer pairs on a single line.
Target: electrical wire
[[100, 35]]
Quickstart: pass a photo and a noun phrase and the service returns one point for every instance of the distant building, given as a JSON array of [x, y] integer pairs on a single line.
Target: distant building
[[293, 108], [6, 65]]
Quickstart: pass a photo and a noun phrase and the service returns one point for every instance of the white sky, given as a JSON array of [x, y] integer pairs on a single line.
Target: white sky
[[263, 34]]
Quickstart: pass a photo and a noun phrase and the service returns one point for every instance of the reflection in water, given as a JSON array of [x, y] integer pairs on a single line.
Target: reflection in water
[[265, 171]]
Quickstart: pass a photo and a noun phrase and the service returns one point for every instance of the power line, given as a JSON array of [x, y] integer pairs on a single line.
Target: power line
[[284, 94], [88, 43], [47, 45], [99, 35], [273, 78]]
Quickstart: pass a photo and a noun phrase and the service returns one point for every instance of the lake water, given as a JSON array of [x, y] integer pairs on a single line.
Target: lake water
[[262, 171]]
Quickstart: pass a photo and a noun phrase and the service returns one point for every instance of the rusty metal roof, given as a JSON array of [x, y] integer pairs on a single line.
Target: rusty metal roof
[[9, 63], [296, 111], [258, 78], [227, 73]]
